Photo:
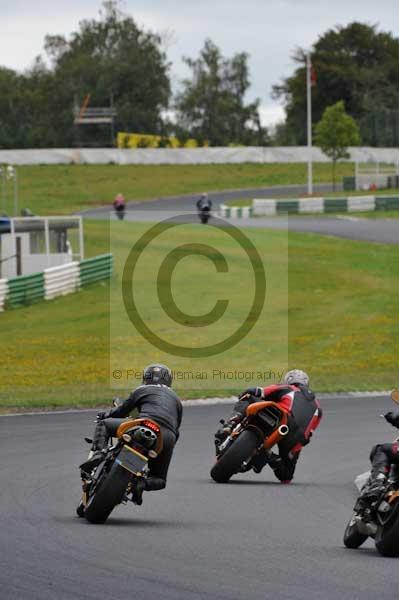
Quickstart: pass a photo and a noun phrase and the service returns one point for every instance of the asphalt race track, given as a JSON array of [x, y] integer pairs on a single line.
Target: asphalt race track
[[346, 226], [252, 538]]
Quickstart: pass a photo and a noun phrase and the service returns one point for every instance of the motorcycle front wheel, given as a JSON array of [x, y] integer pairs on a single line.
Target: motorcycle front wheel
[[352, 536], [109, 493], [230, 462]]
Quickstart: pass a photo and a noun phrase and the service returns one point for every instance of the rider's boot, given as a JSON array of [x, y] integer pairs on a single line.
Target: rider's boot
[[261, 459], [374, 487], [137, 492]]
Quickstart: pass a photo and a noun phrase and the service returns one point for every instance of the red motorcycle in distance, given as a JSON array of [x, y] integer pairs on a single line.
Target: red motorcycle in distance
[[263, 426]]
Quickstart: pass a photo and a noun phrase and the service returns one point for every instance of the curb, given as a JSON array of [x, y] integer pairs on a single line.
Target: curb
[[204, 402], [262, 207]]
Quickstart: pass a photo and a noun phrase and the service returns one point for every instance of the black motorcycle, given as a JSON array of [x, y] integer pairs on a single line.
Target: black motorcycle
[[380, 520], [120, 211], [204, 214], [125, 461]]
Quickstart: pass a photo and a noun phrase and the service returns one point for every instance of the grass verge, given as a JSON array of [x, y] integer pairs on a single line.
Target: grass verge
[[62, 189], [342, 318]]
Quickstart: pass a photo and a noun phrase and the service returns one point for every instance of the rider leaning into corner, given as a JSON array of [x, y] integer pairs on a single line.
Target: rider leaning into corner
[[156, 400], [382, 457], [304, 415]]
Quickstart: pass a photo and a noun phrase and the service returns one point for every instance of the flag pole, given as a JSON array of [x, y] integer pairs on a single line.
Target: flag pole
[[309, 113]]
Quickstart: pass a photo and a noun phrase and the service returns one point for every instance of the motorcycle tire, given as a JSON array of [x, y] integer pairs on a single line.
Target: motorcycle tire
[[387, 538], [352, 536], [230, 462], [80, 510], [108, 495]]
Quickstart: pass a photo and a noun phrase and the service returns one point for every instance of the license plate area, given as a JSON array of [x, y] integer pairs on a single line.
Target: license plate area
[[131, 460]]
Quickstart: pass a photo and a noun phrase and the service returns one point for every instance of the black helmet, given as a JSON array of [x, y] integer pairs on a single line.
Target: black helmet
[[157, 374]]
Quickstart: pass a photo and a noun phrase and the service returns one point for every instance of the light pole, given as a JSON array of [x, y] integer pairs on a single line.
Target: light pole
[[309, 111], [3, 174], [11, 173]]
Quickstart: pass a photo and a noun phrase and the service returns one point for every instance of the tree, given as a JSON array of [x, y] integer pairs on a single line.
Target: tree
[[356, 64], [112, 56], [211, 105], [106, 57], [335, 132]]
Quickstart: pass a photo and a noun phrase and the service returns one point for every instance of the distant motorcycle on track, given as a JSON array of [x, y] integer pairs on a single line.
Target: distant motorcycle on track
[[204, 207], [204, 214]]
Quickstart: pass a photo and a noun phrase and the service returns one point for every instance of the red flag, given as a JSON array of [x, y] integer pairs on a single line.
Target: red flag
[[313, 76]]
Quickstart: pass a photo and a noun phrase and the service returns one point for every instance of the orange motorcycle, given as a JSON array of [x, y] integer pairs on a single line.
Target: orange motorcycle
[[263, 426], [125, 461]]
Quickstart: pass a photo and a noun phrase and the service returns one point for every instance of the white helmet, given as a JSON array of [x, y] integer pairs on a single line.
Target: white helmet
[[296, 376]]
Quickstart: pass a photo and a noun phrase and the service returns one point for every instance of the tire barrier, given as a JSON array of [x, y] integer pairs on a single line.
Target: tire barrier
[[54, 281]]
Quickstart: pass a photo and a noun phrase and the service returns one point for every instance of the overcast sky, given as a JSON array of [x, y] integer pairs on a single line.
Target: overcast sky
[[269, 30]]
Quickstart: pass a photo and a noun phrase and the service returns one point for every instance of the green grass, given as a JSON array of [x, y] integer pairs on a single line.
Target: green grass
[[342, 321], [62, 189]]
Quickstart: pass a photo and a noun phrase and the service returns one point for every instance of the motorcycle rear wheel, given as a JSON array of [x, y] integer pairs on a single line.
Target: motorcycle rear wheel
[[109, 493], [387, 538], [230, 462], [352, 536]]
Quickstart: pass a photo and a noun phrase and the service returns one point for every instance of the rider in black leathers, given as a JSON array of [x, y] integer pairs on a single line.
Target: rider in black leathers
[[204, 202], [382, 457], [154, 399]]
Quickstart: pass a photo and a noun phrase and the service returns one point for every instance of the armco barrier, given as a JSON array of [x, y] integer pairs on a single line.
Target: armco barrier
[[266, 207], [25, 289], [61, 280], [235, 212], [95, 269], [3, 292]]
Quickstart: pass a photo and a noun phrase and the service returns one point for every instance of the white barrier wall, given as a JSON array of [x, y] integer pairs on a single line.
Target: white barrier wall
[[153, 156], [61, 280], [3, 292]]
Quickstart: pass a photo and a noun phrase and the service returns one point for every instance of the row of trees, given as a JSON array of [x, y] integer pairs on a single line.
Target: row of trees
[[356, 64], [114, 60]]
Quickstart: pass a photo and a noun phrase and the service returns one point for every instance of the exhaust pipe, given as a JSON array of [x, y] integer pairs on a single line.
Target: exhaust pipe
[[283, 429]]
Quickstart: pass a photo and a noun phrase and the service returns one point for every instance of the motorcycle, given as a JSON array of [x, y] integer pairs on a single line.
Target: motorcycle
[[112, 482], [204, 214], [263, 426], [120, 211], [380, 520]]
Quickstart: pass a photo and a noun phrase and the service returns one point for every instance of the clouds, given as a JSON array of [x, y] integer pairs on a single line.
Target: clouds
[[269, 30]]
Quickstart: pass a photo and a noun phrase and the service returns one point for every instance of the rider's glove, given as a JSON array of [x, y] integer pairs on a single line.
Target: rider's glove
[[392, 418], [226, 430], [255, 391], [103, 414]]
